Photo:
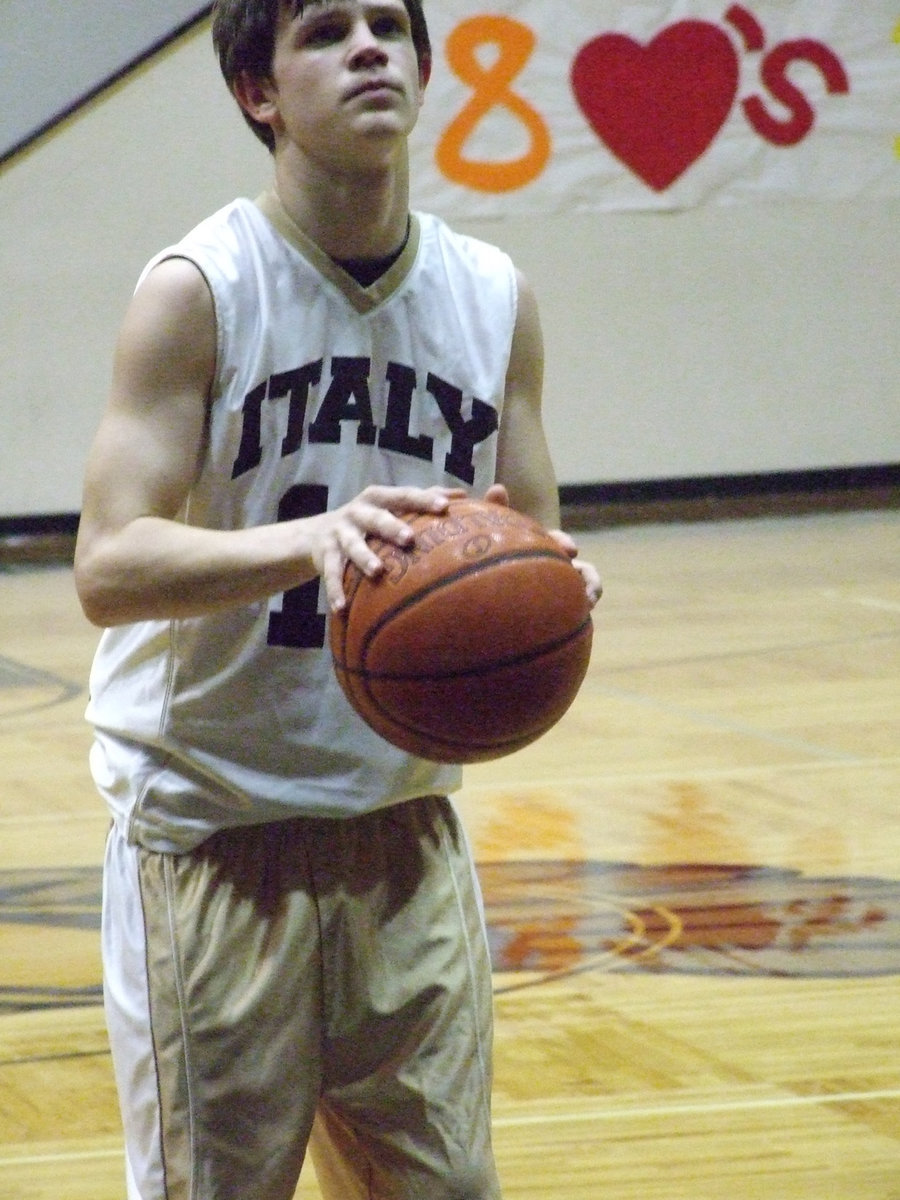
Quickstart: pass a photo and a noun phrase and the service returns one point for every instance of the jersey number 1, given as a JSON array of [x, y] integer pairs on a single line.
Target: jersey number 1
[[299, 624]]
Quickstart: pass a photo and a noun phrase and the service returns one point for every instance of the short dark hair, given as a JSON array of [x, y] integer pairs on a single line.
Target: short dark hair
[[244, 38]]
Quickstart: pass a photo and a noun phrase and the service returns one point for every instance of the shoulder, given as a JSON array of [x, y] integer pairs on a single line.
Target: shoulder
[[238, 222], [169, 328], [436, 232], [198, 286], [220, 243], [173, 294], [476, 271]]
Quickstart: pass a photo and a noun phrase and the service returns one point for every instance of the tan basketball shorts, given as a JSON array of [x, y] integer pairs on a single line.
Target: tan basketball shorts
[[317, 979]]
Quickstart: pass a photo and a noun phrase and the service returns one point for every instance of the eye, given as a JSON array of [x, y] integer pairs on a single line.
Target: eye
[[323, 33], [394, 23], [322, 29], [388, 26]]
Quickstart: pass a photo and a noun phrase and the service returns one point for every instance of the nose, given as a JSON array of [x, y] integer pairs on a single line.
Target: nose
[[365, 48]]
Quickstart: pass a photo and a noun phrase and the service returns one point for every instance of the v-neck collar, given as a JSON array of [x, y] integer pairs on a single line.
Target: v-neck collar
[[363, 299]]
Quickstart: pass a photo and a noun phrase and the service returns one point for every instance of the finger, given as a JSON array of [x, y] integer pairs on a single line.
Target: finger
[[352, 548], [591, 578], [497, 494], [565, 541], [413, 499], [333, 578], [372, 521]]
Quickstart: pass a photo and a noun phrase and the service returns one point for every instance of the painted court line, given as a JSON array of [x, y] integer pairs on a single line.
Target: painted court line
[[669, 1110], [38, 1160], [862, 601], [603, 1114]]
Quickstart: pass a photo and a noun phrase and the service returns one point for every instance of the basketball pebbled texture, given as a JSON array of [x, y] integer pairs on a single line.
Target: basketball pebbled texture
[[472, 643]]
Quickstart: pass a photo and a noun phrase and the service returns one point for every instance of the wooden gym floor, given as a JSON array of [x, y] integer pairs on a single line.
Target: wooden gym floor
[[692, 884]]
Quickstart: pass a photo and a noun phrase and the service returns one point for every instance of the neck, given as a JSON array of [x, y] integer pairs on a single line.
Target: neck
[[361, 216]]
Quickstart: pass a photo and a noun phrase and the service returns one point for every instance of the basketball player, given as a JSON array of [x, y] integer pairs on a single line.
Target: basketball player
[[293, 943]]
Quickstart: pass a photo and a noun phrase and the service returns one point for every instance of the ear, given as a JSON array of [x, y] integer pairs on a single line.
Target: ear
[[424, 70], [257, 97]]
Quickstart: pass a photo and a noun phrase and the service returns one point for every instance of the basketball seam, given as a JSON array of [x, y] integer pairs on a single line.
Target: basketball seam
[[437, 585], [479, 669], [504, 745]]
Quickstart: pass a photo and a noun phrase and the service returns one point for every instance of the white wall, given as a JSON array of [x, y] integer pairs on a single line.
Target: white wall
[[718, 341]]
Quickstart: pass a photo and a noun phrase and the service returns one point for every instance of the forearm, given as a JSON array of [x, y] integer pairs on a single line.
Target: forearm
[[530, 479], [538, 497], [158, 569]]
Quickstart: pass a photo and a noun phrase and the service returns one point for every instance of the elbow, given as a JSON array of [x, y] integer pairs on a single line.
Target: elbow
[[97, 599], [93, 603]]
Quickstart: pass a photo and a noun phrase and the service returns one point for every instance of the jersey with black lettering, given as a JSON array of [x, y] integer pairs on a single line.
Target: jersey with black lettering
[[321, 387]]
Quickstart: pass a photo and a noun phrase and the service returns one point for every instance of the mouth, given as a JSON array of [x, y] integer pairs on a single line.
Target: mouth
[[374, 87]]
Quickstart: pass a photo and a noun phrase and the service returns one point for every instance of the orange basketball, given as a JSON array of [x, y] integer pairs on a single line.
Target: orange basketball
[[471, 643]]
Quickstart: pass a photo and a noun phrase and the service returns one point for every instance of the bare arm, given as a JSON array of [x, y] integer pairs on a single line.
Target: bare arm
[[524, 465], [135, 560]]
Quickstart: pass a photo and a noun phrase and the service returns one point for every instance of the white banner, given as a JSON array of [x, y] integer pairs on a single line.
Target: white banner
[[566, 105]]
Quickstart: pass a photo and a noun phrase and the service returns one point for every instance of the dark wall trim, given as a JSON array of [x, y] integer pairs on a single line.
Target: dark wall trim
[[722, 497], [58, 118], [54, 524], [835, 479], [598, 505]]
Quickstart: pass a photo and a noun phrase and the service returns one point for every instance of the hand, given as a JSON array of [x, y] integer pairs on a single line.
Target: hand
[[497, 494], [340, 535], [588, 571]]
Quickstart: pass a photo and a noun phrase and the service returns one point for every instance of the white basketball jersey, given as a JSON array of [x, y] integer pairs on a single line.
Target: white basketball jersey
[[322, 387]]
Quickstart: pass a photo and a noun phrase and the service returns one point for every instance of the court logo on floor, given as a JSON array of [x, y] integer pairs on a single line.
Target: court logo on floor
[[547, 919]]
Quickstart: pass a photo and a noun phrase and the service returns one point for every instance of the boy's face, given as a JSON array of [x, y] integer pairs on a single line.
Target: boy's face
[[345, 80]]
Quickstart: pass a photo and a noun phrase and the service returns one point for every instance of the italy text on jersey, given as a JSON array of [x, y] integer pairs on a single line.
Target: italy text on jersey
[[348, 398]]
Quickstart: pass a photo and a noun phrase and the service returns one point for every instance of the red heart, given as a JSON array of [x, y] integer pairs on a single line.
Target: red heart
[[658, 107]]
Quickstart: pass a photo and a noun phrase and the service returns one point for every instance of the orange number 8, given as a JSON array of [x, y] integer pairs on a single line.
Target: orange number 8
[[490, 89]]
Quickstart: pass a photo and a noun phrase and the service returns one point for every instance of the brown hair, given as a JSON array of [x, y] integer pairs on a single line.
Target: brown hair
[[244, 38]]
